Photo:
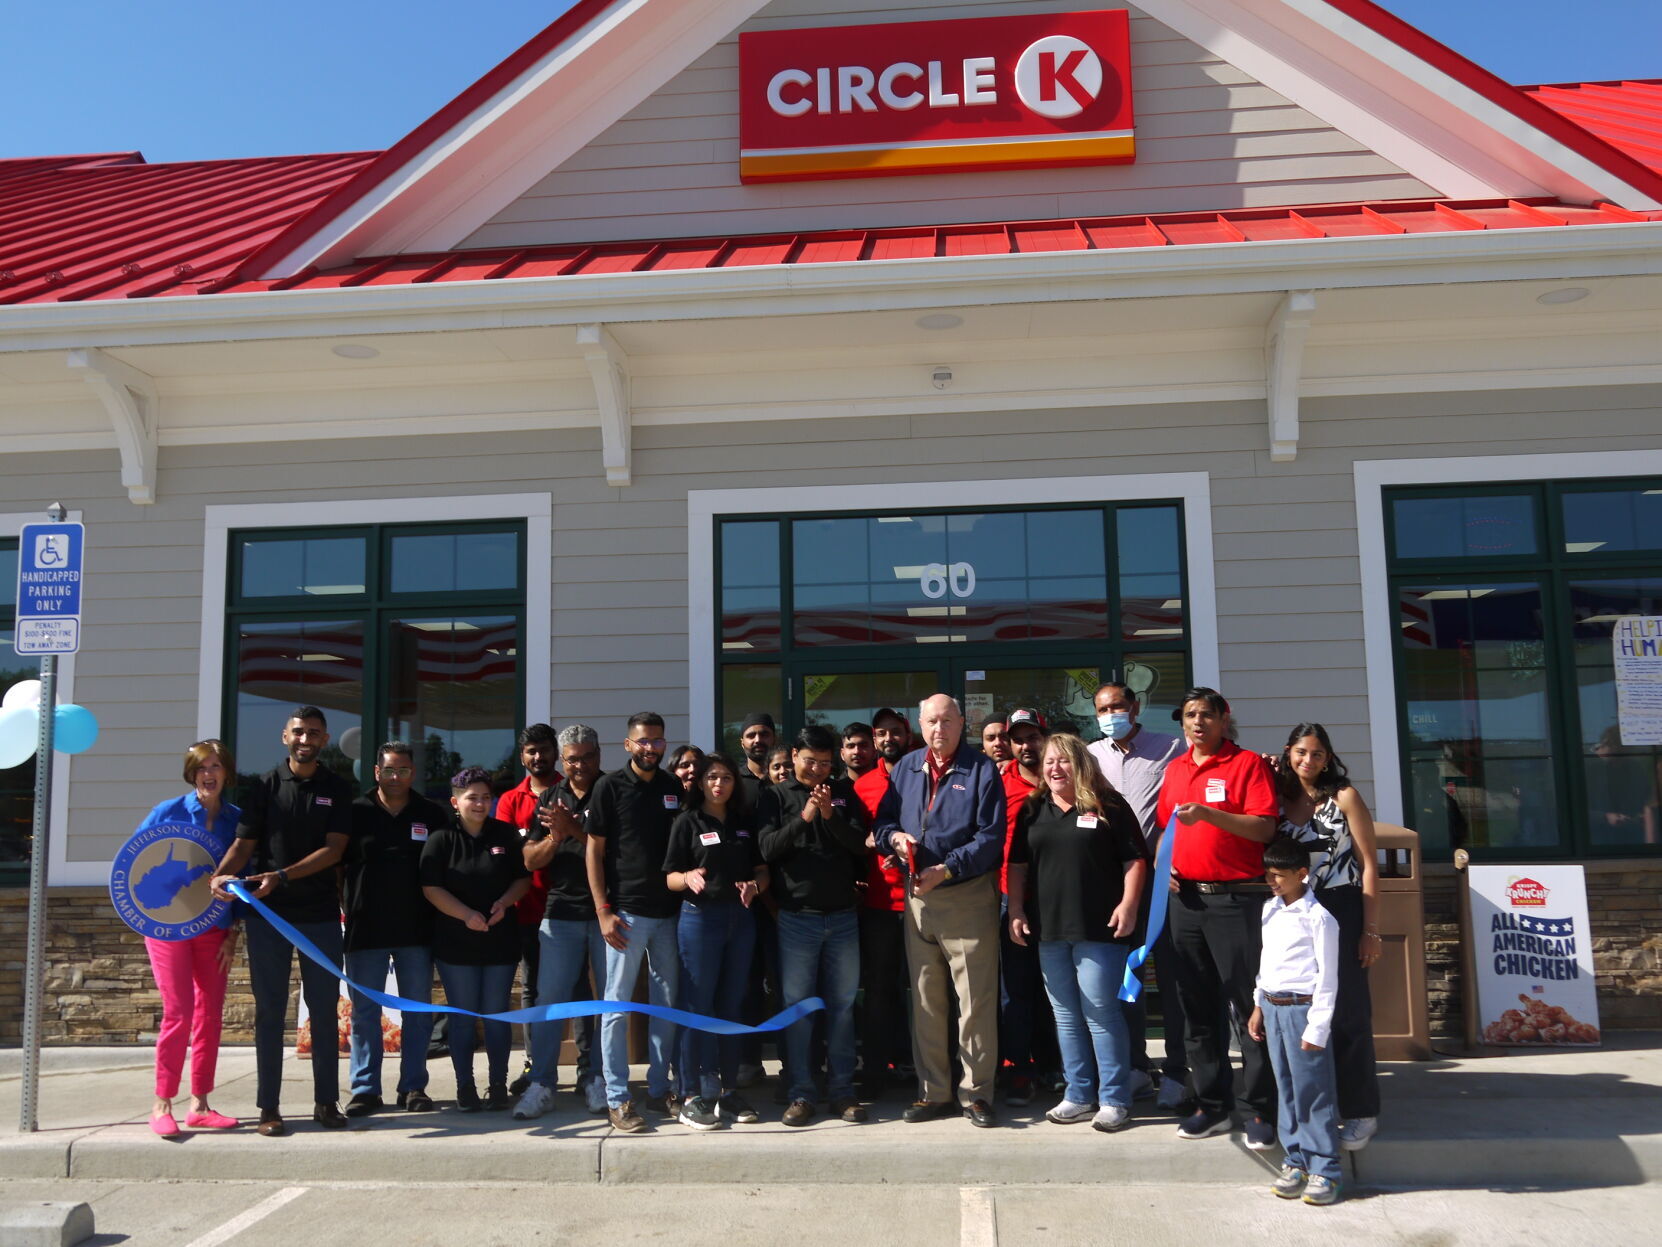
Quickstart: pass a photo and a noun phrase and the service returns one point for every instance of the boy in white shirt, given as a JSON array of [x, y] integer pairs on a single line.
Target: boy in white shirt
[[1298, 979]]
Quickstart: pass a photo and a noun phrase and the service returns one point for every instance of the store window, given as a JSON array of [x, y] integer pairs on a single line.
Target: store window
[[410, 632], [1506, 597], [826, 618], [17, 783]]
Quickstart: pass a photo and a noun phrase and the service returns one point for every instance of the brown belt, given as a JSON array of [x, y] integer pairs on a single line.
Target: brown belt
[[1285, 998]]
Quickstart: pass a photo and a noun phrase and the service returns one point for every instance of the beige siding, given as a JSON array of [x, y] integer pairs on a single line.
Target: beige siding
[[1288, 596], [1208, 138]]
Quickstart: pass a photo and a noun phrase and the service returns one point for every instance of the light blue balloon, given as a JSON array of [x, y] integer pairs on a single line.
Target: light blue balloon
[[74, 729], [19, 735]]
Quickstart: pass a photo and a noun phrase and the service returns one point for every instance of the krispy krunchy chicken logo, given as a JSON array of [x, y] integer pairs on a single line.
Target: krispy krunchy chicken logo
[[1526, 892]]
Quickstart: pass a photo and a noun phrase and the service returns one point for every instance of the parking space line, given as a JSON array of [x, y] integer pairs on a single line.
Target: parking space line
[[977, 1218], [259, 1212]]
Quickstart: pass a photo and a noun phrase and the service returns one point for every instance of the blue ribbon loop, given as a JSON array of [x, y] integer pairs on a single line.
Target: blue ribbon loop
[[1131, 986], [537, 1013]]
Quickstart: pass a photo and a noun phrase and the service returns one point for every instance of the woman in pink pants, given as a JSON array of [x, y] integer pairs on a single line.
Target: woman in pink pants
[[191, 973]]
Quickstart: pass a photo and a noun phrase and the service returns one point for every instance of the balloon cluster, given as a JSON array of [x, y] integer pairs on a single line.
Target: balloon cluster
[[74, 728]]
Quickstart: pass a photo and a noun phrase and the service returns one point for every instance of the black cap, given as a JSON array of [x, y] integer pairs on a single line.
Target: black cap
[[758, 718], [889, 712]]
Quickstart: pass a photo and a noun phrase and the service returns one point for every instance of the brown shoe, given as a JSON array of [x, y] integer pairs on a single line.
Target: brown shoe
[[626, 1119], [849, 1109], [271, 1124], [800, 1113]]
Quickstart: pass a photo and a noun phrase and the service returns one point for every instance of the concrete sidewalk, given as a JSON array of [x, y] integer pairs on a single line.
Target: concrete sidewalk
[[1534, 1119]]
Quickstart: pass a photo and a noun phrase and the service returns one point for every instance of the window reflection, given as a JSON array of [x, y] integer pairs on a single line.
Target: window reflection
[[1151, 573], [836, 699], [1480, 525], [1612, 521], [1621, 782], [747, 688], [750, 586], [453, 693], [302, 567], [454, 562], [284, 665]]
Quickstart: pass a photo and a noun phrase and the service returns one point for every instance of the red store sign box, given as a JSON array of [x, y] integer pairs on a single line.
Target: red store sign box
[[935, 97]]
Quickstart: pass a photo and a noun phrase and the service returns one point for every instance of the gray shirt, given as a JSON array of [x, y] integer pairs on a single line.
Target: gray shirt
[[1137, 771]]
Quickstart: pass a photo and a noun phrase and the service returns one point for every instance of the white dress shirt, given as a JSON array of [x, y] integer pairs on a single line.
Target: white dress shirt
[[1301, 957], [1136, 772]]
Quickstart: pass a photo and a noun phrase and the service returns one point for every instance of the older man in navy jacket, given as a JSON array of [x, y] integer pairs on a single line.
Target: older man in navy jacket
[[944, 817]]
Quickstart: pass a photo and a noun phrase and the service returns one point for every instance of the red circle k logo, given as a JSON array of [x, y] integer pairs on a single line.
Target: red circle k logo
[[1058, 76]]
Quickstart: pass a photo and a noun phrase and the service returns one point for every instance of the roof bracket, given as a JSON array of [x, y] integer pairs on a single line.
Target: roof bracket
[[609, 370], [1284, 338], [129, 396]]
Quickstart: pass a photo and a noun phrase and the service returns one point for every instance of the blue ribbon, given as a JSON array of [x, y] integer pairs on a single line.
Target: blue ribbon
[[537, 1013], [1131, 986]]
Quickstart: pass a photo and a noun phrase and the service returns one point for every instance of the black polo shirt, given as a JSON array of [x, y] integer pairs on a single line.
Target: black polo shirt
[[289, 819], [750, 787], [381, 887], [476, 870], [1077, 868], [815, 864], [726, 852], [567, 873], [633, 816]]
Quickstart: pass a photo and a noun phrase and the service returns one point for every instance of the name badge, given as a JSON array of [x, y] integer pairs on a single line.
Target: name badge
[[497, 850], [839, 801], [1087, 820], [418, 831], [709, 838], [672, 803], [324, 800], [1216, 790]]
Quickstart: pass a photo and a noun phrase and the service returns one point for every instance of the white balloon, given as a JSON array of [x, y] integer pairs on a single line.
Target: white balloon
[[352, 743], [23, 693], [19, 735]]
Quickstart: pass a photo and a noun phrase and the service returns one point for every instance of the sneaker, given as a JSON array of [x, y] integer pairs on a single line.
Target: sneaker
[[497, 1098], [1110, 1117], [536, 1101], [1172, 1093], [1067, 1113], [1260, 1135], [1289, 1184], [749, 1076], [1320, 1190], [594, 1095], [668, 1104], [1355, 1133], [467, 1099], [363, 1104], [697, 1113], [417, 1102], [625, 1118], [1142, 1085], [800, 1113], [735, 1107], [1203, 1125], [1020, 1094]]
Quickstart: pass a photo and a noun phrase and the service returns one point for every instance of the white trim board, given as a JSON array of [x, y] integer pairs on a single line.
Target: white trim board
[[535, 509], [703, 505], [1378, 616], [60, 871]]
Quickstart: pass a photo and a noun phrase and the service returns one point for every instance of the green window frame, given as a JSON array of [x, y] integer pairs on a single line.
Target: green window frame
[[397, 641], [1558, 676], [777, 678], [17, 783]]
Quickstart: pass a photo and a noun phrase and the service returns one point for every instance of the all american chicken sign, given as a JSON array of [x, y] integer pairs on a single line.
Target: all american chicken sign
[[935, 97]]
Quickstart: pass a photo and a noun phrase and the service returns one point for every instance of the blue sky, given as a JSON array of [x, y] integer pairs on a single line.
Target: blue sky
[[201, 79]]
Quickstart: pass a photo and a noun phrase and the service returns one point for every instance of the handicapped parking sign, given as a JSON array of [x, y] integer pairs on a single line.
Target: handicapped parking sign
[[49, 588]]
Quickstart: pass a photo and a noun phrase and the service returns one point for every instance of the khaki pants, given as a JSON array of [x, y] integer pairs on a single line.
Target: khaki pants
[[952, 949]]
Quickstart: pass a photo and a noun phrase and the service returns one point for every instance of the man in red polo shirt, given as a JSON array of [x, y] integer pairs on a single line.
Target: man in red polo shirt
[[538, 751], [1226, 807], [883, 1021]]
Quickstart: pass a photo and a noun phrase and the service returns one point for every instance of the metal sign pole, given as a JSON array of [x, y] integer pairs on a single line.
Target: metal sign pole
[[35, 965]]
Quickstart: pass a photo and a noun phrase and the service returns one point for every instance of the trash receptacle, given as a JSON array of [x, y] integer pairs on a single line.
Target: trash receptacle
[[1401, 1027]]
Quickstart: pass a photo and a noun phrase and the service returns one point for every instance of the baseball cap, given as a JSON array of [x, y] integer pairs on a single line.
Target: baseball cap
[[1027, 716]]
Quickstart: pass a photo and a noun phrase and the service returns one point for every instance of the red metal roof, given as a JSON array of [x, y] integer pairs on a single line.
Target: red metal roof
[[103, 227], [1627, 114]]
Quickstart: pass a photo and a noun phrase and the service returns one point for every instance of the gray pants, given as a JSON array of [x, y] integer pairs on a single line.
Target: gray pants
[[952, 950]]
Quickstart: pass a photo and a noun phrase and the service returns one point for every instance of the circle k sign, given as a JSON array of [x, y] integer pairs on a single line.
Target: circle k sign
[[935, 97]]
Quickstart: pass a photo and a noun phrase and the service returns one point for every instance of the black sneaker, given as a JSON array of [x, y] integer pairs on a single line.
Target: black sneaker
[[668, 1104], [737, 1108], [416, 1102], [363, 1104], [1203, 1125], [497, 1099], [1260, 1135], [697, 1113], [467, 1099]]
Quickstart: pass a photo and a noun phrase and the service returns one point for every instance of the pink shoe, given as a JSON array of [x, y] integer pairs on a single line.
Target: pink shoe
[[211, 1121], [164, 1125]]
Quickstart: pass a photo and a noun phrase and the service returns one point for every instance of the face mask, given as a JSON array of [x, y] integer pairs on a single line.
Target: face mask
[[1115, 726]]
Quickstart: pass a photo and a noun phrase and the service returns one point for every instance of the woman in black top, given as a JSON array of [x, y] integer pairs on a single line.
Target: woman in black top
[[473, 873], [712, 862], [683, 764], [1081, 845]]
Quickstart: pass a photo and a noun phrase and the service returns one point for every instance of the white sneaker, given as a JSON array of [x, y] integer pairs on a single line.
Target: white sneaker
[[536, 1101], [1110, 1117], [1355, 1133], [1171, 1093], [1067, 1113], [1142, 1084], [594, 1095]]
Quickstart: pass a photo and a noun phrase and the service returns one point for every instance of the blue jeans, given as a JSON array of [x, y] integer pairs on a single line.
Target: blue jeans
[[653, 939], [569, 947], [270, 961], [717, 943], [1307, 1114], [484, 989], [414, 967], [819, 955], [1083, 982]]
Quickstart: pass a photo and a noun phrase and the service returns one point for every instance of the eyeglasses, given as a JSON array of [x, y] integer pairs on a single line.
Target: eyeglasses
[[395, 772], [647, 743], [813, 764]]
